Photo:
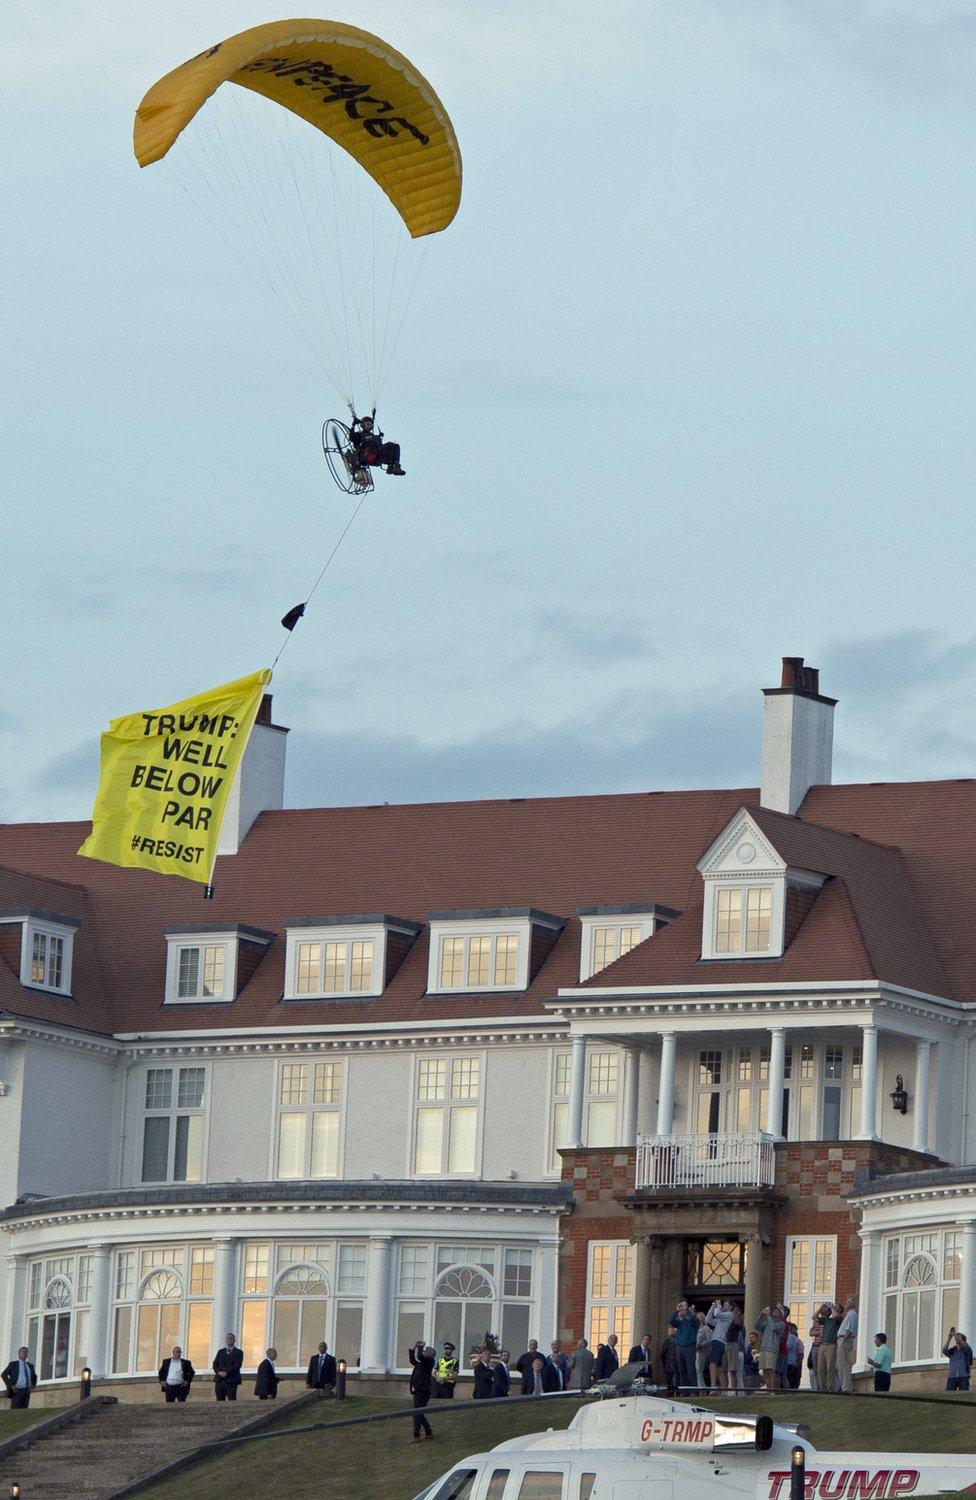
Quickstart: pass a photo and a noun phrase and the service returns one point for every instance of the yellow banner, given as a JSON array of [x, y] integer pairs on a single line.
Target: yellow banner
[[165, 778]]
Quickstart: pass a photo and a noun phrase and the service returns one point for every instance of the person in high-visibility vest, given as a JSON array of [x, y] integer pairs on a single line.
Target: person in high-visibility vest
[[446, 1372]]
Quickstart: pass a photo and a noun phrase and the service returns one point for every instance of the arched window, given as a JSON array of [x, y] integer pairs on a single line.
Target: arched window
[[920, 1291], [160, 1316], [300, 1311], [56, 1329], [463, 1298]]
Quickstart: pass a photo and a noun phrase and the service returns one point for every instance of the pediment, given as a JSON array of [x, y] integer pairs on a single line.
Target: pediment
[[742, 849]]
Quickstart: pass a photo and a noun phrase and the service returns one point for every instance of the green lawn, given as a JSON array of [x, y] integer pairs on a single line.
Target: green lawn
[[379, 1462], [12, 1422]]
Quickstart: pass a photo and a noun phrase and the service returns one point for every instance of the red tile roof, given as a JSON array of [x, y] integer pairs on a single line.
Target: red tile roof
[[903, 913]]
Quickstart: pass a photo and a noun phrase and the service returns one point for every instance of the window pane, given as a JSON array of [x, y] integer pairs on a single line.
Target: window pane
[[255, 1268], [294, 1084], [146, 1338], [325, 1143], [541, 1484], [189, 1094], [334, 976], [563, 1063], [197, 1349], [410, 1328], [464, 1133], [285, 1335], [201, 1271], [307, 968], [349, 1332], [496, 1484], [188, 1157], [517, 1276], [759, 908], [465, 1078], [600, 1271], [38, 955], [603, 1073], [506, 955], [252, 1333], [560, 1134], [328, 1083], [188, 980], [155, 1149], [159, 1088], [291, 1145], [55, 962], [601, 1123], [361, 965], [120, 1340], [452, 961], [728, 921], [431, 1078], [515, 1326], [457, 1486], [430, 1129], [352, 1268], [831, 1112], [414, 1263], [604, 947], [213, 970], [479, 958]]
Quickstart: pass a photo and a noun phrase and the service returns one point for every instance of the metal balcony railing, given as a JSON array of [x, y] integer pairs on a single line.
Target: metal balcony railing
[[706, 1161]]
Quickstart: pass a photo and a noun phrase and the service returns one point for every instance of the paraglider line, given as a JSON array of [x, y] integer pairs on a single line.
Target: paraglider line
[[325, 568]]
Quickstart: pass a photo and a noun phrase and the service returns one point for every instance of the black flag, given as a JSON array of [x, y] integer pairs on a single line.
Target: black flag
[[291, 619]]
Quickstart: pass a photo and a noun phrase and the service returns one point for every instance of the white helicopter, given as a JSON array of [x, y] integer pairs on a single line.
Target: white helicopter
[[647, 1448]]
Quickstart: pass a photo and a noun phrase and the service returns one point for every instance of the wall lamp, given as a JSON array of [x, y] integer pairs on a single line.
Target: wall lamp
[[899, 1096]]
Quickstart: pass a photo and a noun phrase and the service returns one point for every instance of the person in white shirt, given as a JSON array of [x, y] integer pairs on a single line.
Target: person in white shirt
[[847, 1346], [176, 1376]]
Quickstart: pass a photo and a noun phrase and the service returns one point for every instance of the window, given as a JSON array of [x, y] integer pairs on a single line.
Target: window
[[478, 961], [200, 972], [810, 1278], [339, 967], [172, 1141], [602, 1070], [168, 1303], [743, 919], [309, 1120], [921, 1299], [457, 1486], [730, 1090], [345, 957], [607, 933], [541, 1484], [46, 957], [58, 1317], [446, 1116], [610, 1292], [559, 1135]]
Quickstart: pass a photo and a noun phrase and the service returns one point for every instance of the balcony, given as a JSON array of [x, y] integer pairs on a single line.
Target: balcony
[[706, 1161]]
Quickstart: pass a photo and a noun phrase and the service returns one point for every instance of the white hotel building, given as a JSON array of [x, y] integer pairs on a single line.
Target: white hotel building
[[534, 1065]]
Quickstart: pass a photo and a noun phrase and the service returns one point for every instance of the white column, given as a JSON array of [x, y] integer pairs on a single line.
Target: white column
[[224, 1292], [869, 1083], [923, 1058], [777, 1078], [13, 1328], [378, 1311], [98, 1317], [869, 1313], [632, 1057], [967, 1287], [577, 1090], [665, 1092]]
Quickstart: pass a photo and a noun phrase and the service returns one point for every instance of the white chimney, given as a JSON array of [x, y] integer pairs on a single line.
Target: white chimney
[[259, 785], [798, 736]]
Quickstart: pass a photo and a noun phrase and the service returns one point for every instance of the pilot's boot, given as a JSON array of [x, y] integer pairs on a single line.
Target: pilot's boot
[[395, 469]]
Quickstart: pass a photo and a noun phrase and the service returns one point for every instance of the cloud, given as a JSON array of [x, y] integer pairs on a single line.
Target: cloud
[[73, 770], [595, 639]]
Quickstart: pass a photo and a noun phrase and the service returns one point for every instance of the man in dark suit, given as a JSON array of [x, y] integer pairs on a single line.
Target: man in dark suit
[[484, 1376], [542, 1378], [176, 1376], [227, 1369], [19, 1379], [641, 1355], [321, 1370], [421, 1358], [524, 1366], [501, 1380], [606, 1359], [266, 1383]]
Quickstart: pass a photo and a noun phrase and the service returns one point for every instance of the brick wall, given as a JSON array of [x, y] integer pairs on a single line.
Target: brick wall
[[814, 1176]]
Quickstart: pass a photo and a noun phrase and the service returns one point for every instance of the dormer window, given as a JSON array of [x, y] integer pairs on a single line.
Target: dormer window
[[608, 932], [210, 966], [335, 958], [46, 953], [483, 952], [743, 919], [39, 947]]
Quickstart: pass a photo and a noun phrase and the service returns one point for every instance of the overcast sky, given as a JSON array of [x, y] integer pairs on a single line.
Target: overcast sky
[[688, 385]]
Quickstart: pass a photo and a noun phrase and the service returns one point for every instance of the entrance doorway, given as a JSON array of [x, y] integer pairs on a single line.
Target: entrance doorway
[[811, 1262]]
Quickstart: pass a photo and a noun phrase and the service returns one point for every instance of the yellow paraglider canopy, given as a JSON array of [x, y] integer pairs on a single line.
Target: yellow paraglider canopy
[[352, 86]]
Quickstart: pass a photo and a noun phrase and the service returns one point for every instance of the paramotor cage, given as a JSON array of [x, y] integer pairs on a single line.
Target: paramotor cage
[[349, 474]]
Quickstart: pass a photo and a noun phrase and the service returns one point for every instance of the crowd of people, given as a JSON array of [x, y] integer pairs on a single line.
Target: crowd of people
[[701, 1351]]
